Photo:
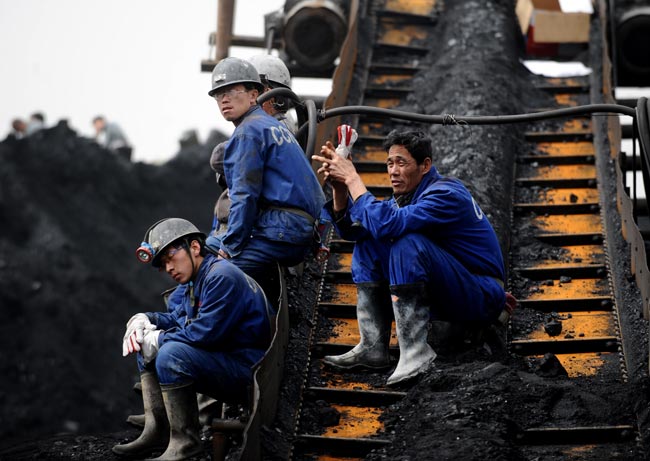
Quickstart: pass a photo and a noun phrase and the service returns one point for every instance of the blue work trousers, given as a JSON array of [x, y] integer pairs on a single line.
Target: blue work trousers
[[456, 294], [223, 375], [260, 254]]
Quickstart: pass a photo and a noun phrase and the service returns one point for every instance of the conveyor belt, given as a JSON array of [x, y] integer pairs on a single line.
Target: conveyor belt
[[557, 205], [359, 399]]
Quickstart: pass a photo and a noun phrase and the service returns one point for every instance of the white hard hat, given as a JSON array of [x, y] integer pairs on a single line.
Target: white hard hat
[[272, 69]]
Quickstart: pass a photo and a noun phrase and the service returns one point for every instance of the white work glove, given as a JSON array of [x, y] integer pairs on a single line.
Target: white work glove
[[135, 328], [150, 345], [347, 137]]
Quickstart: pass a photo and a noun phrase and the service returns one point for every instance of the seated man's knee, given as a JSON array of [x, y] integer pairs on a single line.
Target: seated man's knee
[[172, 362], [411, 253], [408, 242]]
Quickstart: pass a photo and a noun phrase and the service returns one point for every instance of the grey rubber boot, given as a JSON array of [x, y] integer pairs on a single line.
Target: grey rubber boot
[[155, 435], [374, 317], [209, 409], [411, 309], [183, 415], [136, 420]]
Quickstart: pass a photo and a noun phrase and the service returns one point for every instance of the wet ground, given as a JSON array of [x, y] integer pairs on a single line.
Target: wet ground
[[72, 215]]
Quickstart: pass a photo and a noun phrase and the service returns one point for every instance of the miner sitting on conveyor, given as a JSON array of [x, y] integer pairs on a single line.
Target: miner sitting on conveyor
[[429, 252], [273, 74], [208, 343], [275, 195]]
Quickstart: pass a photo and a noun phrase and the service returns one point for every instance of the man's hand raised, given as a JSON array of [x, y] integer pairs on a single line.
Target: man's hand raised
[[340, 172]]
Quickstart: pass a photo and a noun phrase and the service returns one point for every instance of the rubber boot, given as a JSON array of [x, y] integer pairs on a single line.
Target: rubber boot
[[155, 435], [136, 420], [183, 414], [373, 315], [209, 409], [411, 310]]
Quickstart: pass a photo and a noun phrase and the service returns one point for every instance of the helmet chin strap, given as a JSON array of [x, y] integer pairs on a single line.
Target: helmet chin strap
[[187, 247]]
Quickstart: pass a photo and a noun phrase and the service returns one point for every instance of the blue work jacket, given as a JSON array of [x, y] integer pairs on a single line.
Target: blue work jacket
[[274, 192], [442, 209], [223, 310]]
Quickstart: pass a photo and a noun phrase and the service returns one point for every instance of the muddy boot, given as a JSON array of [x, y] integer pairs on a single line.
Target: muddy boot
[[183, 414], [373, 315], [155, 434], [209, 409], [136, 420], [411, 310]]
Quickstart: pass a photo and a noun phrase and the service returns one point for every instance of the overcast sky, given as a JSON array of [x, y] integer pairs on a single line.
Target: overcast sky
[[135, 61]]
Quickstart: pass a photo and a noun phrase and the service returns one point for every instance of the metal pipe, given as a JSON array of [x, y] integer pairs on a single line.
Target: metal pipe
[[314, 31], [632, 59], [225, 15]]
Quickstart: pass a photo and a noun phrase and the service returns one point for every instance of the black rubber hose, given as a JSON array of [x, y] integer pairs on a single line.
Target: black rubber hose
[[450, 119], [286, 92], [312, 123]]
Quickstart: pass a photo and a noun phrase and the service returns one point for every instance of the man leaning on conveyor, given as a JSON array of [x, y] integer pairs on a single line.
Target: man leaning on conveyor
[[427, 253]]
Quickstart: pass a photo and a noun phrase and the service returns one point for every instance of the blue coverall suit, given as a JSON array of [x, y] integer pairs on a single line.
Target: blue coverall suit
[[441, 238], [275, 195], [214, 331]]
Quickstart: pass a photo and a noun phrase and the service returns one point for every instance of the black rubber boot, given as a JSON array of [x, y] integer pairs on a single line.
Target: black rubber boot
[[155, 434], [411, 307], [374, 317]]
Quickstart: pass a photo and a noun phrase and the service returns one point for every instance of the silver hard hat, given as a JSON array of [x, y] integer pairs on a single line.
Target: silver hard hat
[[273, 69], [162, 234], [231, 71]]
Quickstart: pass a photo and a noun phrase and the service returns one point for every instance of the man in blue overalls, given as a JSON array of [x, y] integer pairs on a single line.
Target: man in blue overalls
[[427, 253], [274, 193], [217, 330]]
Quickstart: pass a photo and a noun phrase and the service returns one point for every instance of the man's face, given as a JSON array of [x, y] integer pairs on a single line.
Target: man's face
[[99, 125], [234, 101], [177, 262], [404, 172]]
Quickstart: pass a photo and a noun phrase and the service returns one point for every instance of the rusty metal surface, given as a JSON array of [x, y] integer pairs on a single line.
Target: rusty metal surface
[[342, 77], [225, 18], [630, 230]]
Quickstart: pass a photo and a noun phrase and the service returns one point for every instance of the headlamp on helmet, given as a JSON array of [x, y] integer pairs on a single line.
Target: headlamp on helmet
[[145, 252], [163, 234]]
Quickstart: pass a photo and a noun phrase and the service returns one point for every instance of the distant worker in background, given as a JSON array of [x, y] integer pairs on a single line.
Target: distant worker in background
[[275, 195], [36, 123], [218, 328], [429, 252], [275, 74], [111, 136], [18, 128]]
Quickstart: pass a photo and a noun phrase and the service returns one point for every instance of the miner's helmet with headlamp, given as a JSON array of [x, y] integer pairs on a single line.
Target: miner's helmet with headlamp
[[163, 234]]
